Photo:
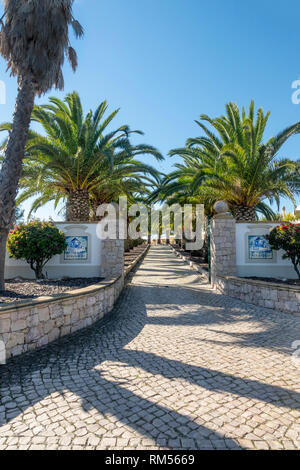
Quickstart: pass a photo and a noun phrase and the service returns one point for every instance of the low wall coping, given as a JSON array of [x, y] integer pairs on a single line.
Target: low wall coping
[[265, 284], [265, 222], [94, 288], [75, 223], [131, 266]]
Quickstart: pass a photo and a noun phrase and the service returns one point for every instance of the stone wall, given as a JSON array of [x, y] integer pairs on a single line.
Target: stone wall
[[28, 325], [265, 294], [280, 297], [222, 246], [112, 260], [25, 326], [204, 273], [129, 268]]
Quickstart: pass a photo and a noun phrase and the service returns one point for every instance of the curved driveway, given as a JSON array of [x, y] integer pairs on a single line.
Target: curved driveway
[[175, 366]]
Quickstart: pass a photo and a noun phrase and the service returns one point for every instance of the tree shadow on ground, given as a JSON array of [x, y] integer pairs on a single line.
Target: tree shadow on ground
[[77, 364], [72, 365]]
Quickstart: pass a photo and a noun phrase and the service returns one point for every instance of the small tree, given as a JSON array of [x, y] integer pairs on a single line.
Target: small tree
[[36, 242], [287, 238]]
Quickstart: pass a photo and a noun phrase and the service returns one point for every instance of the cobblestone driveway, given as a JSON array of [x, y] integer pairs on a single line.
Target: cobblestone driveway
[[176, 366]]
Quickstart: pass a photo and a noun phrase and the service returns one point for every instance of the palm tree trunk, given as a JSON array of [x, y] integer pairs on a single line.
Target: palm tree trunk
[[93, 214], [3, 238], [244, 213], [149, 227], [204, 251], [12, 165], [167, 237], [78, 206]]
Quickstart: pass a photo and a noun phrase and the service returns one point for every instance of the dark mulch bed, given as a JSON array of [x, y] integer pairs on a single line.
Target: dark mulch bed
[[289, 282], [26, 290]]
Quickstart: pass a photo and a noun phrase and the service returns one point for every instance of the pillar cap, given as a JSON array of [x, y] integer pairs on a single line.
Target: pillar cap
[[222, 210]]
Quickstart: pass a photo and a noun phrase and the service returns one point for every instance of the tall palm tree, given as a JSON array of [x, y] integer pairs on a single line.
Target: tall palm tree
[[235, 165], [78, 161], [34, 39]]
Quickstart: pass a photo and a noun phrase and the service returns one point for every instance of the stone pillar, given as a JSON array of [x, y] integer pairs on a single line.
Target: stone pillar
[[112, 258], [222, 246], [112, 247]]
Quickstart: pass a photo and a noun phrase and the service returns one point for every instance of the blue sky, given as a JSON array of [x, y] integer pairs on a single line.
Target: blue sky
[[165, 62]]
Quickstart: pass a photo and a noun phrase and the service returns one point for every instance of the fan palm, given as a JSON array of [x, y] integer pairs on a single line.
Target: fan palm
[[235, 165], [77, 161], [34, 40]]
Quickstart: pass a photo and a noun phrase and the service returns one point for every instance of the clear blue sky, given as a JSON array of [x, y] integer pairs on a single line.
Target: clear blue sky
[[164, 62]]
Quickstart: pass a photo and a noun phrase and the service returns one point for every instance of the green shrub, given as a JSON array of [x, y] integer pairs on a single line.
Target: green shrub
[[287, 238], [126, 246], [129, 244], [36, 242]]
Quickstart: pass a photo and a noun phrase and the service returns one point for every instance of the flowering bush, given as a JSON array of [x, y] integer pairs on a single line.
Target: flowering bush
[[36, 242], [287, 238]]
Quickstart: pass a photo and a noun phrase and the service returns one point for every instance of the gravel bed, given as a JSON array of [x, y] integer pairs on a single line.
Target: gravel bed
[[25, 290], [19, 289]]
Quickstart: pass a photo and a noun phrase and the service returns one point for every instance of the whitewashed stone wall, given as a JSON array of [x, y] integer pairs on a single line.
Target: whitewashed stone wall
[[105, 257], [228, 247], [275, 267], [58, 267]]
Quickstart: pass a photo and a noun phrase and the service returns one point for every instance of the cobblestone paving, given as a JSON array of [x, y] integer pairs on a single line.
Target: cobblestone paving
[[175, 366]]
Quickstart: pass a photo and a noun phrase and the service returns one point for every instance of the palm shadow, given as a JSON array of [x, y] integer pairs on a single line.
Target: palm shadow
[[75, 363]]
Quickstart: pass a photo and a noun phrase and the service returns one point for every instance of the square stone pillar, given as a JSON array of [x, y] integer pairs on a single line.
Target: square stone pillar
[[222, 246], [112, 258]]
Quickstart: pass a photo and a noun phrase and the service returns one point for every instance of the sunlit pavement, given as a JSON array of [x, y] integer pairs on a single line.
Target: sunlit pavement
[[175, 366]]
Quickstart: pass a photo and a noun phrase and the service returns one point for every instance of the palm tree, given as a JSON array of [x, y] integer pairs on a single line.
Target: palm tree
[[128, 177], [177, 188], [112, 188], [77, 162], [34, 40], [236, 166]]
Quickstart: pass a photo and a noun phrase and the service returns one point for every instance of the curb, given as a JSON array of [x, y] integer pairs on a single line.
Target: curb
[[136, 261], [192, 265]]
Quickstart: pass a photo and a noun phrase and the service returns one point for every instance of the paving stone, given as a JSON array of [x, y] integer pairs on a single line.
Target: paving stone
[[175, 365]]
